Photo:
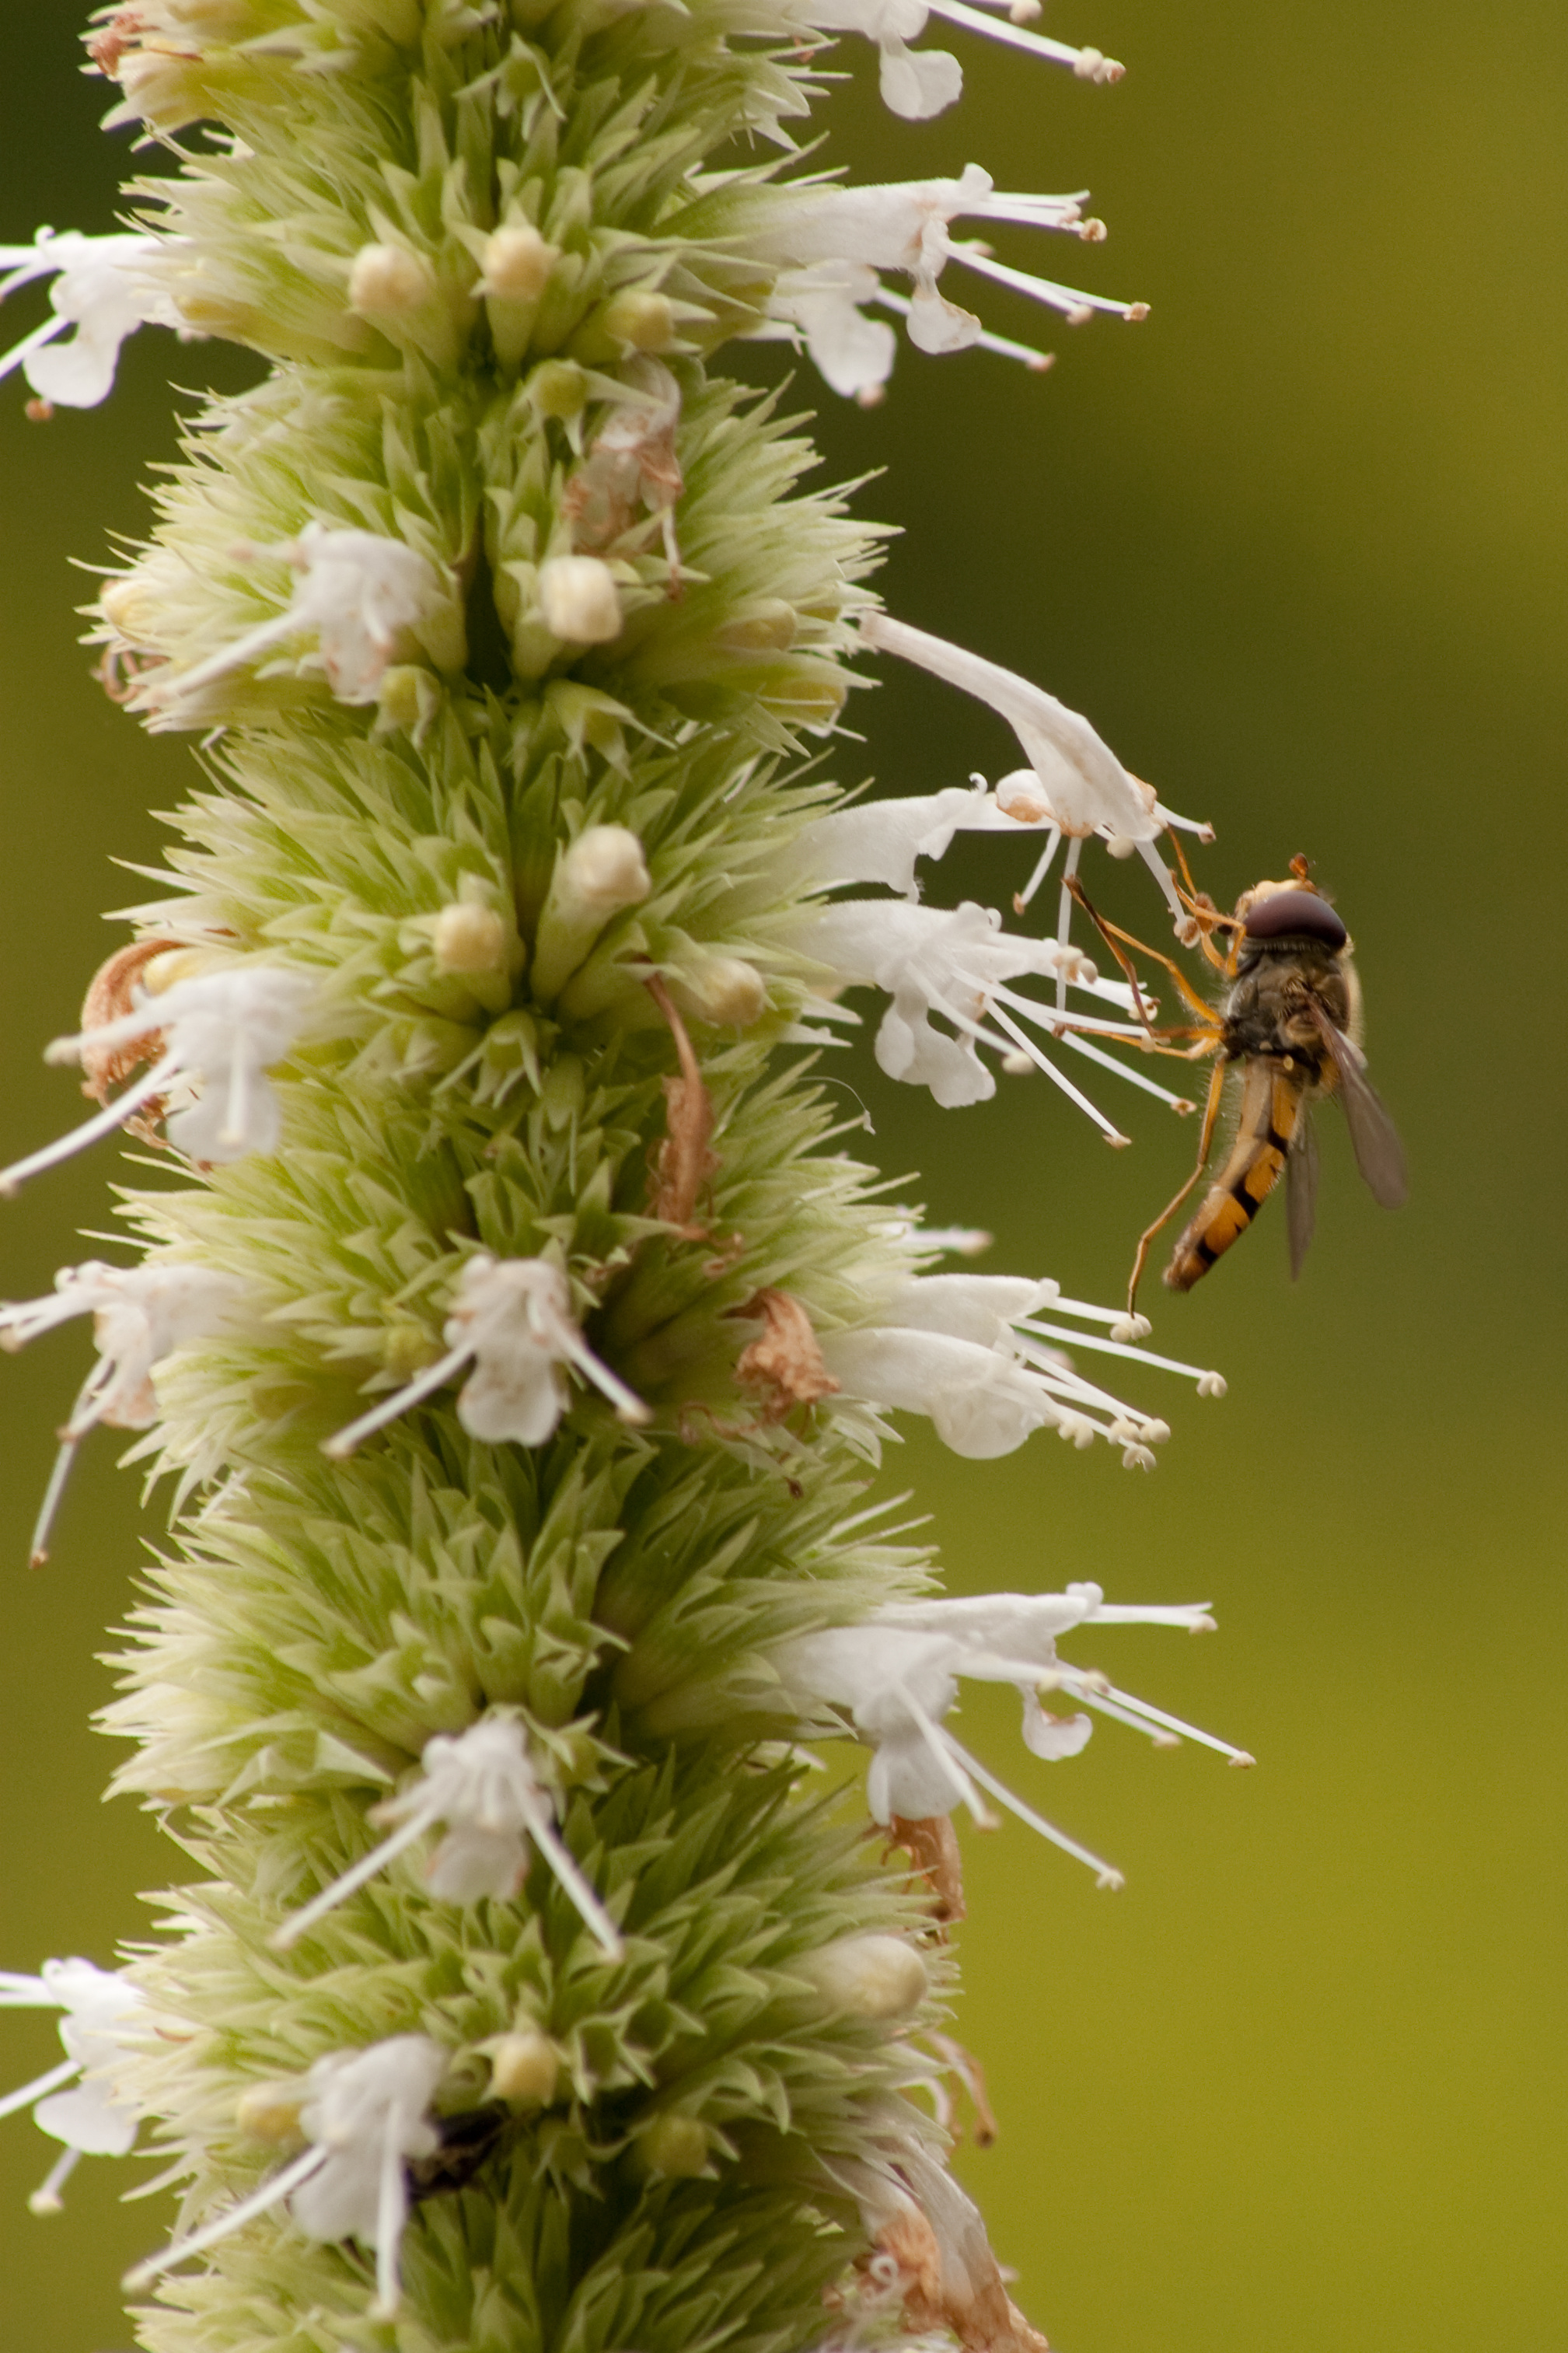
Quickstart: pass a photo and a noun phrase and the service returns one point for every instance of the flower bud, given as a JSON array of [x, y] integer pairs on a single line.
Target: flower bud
[[470, 938], [517, 264], [675, 2144], [525, 2067], [725, 990], [557, 388], [645, 321], [867, 1977], [601, 873], [270, 2111], [579, 600], [389, 285], [767, 626]]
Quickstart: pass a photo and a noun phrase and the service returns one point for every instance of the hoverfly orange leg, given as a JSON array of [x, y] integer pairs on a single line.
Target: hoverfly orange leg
[[1198, 904], [1112, 933], [1206, 1143]]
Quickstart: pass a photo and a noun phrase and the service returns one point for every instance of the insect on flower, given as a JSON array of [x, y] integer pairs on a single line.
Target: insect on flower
[[1292, 1019]]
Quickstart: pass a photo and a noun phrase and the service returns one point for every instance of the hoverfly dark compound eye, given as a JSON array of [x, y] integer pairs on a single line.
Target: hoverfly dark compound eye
[[1296, 914]]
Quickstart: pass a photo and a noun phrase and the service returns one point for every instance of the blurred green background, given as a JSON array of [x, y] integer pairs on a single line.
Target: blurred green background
[[1297, 547]]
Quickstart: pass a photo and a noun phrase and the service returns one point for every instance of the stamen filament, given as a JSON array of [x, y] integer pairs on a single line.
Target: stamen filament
[[1110, 1347], [349, 1883], [1106, 1873], [1134, 1077], [591, 1912], [40, 2086], [1063, 913], [103, 1122], [29, 344], [1176, 1723], [1069, 300], [46, 2199], [342, 1444], [1002, 345], [391, 2217], [999, 28], [38, 1547], [1042, 1061], [1022, 898], [271, 2193]]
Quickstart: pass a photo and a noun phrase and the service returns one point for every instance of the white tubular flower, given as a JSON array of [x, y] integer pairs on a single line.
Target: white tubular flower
[[371, 602], [92, 2117], [365, 2113], [482, 1787], [102, 290], [1086, 788], [140, 1315], [957, 962], [880, 841], [896, 1677], [215, 1036], [971, 1353], [905, 225], [512, 1319], [918, 84]]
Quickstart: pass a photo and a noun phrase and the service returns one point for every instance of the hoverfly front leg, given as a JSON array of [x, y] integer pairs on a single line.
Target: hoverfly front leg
[[1113, 936]]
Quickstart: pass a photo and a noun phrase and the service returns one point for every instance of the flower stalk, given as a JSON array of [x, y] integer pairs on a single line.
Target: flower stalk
[[519, 1331]]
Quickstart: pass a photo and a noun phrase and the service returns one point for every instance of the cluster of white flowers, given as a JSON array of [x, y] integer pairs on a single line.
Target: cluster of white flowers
[[832, 244], [140, 1315], [895, 1676], [958, 963], [79, 2101], [363, 2114], [482, 1784], [919, 83]]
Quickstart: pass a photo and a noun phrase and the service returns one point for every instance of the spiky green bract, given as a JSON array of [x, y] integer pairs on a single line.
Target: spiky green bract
[[314, 1624]]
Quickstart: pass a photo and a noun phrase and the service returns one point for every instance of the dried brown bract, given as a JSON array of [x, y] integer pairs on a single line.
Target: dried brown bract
[[956, 2288], [785, 1363], [932, 1845], [962, 2062], [631, 469], [111, 993], [684, 1163]]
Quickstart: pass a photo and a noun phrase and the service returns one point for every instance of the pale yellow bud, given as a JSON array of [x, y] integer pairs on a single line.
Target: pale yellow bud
[[525, 2067], [176, 964], [604, 869], [517, 264], [725, 990], [389, 285], [579, 601], [675, 2144], [270, 2111], [558, 388], [645, 321], [768, 626], [868, 1977], [469, 938]]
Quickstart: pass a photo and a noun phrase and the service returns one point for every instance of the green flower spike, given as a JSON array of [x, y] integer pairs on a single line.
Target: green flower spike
[[516, 1328]]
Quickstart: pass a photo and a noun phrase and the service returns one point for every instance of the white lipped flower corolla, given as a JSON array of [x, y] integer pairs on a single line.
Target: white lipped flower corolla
[[958, 963], [368, 600], [140, 1315], [919, 83], [210, 1037], [833, 242], [512, 1320], [971, 1354], [895, 1677], [365, 2113], [78, 2101], [479, 1784], [102, 290]]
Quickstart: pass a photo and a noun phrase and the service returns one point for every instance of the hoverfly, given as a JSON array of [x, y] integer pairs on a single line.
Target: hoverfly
[[1292, 1019]]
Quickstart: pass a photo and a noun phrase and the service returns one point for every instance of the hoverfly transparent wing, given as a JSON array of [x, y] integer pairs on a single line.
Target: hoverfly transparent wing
[[1375, 1139], [1302, 1191]]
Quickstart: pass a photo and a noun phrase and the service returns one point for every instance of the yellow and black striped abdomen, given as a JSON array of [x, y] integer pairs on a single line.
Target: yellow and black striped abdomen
[[1270, 1110]]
